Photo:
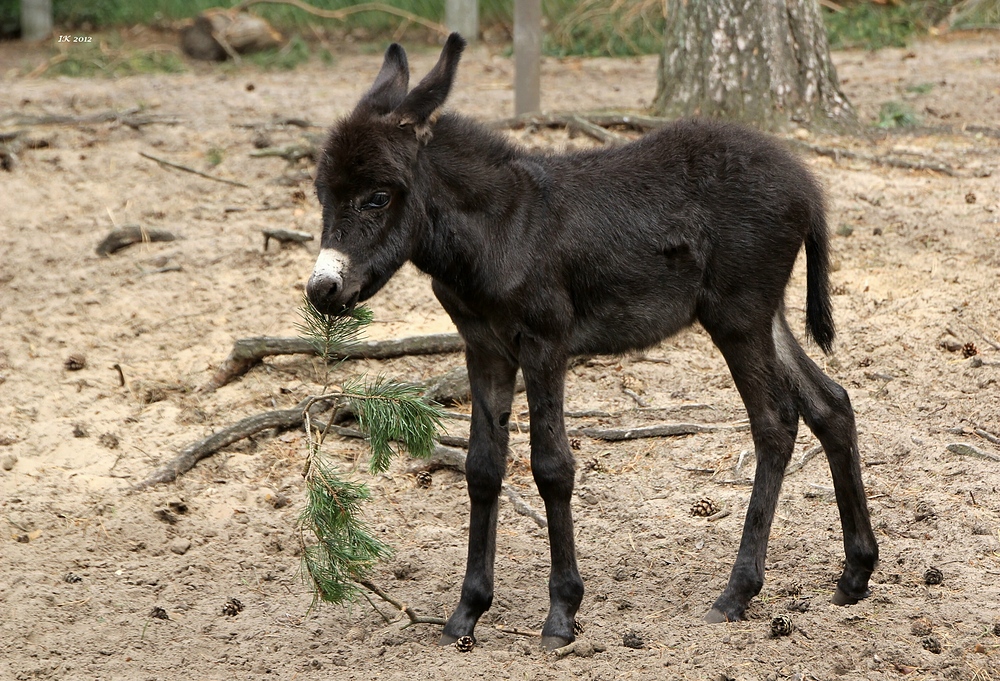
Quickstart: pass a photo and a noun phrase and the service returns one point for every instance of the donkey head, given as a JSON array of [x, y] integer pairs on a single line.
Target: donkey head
[[365, 180]]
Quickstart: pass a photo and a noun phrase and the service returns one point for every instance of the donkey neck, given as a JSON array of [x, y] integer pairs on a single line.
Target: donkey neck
[[484, 200]]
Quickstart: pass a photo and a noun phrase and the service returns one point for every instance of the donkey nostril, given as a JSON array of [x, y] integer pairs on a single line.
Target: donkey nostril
[[321, 291]]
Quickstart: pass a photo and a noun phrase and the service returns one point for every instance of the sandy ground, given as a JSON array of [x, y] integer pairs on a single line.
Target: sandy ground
[[84, 563]]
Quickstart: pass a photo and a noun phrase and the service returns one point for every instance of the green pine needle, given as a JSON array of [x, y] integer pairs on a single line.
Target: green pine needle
[[345, 552], [332, 334], [392, 412]]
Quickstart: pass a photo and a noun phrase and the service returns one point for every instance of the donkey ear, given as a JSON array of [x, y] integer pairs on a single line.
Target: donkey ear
[[390, 85], [420, 107]]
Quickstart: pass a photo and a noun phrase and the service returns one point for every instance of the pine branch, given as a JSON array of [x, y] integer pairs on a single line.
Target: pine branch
[[345, 551], [388, 411]]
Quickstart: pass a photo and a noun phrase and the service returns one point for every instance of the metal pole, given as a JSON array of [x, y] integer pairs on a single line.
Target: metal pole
[[36, 19], [463, 16], [527, 55]]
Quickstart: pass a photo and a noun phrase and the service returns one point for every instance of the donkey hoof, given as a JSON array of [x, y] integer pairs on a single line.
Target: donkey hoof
[[553, 642], [715, 616], [840, 597], [447, 640]]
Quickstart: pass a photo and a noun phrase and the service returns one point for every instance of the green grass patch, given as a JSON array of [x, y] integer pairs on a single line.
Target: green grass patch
[[296, 51], [896, 115], [88, 61], [920, 88], [872, 26]]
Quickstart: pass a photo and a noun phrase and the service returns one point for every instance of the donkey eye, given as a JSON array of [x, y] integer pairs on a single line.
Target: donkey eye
[[376, 200]]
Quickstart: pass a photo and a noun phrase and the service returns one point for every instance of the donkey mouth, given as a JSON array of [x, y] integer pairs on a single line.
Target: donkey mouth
[[336, 309]]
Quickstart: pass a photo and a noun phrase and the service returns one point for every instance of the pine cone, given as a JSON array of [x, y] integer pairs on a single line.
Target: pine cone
[[574, 443], [232, 607], [933, 576], [632, 640], [930, 643], [424, 479], [75, 362], [595, 465], [921, 627], [969, 350], [781, 625], [159, 613], [71, 578], [703, 508], [465, 643]]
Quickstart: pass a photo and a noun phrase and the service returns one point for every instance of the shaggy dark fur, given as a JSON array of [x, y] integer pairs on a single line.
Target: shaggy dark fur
[[540, 257]]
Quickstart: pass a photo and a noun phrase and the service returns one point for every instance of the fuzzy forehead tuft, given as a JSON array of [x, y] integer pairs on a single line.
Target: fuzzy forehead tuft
[[364, 152]]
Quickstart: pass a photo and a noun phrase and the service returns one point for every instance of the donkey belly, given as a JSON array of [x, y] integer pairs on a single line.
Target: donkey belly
[[654, 311]]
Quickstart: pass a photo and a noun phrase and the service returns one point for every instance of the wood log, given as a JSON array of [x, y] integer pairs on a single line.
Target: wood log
[[218, 34]]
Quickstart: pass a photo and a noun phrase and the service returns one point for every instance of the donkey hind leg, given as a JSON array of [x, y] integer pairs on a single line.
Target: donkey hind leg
[[552, 466], [774, 422], [492, 381], [826, 409]]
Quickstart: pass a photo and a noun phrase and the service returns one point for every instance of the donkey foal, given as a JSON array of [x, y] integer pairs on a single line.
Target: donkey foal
[[540, 257]]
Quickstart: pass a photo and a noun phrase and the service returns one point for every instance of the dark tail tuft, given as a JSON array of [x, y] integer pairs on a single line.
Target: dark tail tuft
[[819, 311]]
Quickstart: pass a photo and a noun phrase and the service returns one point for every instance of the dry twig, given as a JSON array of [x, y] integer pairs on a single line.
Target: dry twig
[[405, 609], [186, 169]]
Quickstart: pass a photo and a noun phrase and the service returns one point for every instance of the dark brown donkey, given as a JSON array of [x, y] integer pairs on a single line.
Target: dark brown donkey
[[540, 257]]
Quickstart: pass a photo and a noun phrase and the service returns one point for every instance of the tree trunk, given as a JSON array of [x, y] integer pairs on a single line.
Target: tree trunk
[[761, 62]]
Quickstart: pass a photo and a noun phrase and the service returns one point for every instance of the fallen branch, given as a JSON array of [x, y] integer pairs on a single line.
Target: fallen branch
[[292, 154], [342, 14], [285, 236], [807, 456], [578, 124], [963, 449], [126, 235], [405, 609], [661, 430], [637, 122], [186, 169], [248, 352], [130, 117], [890, 161], [251, 425], [986, 435]]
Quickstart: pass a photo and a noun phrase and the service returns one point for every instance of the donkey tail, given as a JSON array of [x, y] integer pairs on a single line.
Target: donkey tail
[[819, 311]]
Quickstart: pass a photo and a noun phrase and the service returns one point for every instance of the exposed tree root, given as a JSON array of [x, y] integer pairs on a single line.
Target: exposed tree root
[[637, 122], [251, 425], [837, 153], [130, 117], [248, 352], [660, 430]]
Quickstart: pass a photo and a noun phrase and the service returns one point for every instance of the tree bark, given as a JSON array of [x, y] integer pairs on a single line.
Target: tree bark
[[761, 62]]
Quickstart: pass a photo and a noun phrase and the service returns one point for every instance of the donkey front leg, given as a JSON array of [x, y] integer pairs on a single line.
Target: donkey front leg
[[492, 381], [553, 469]]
